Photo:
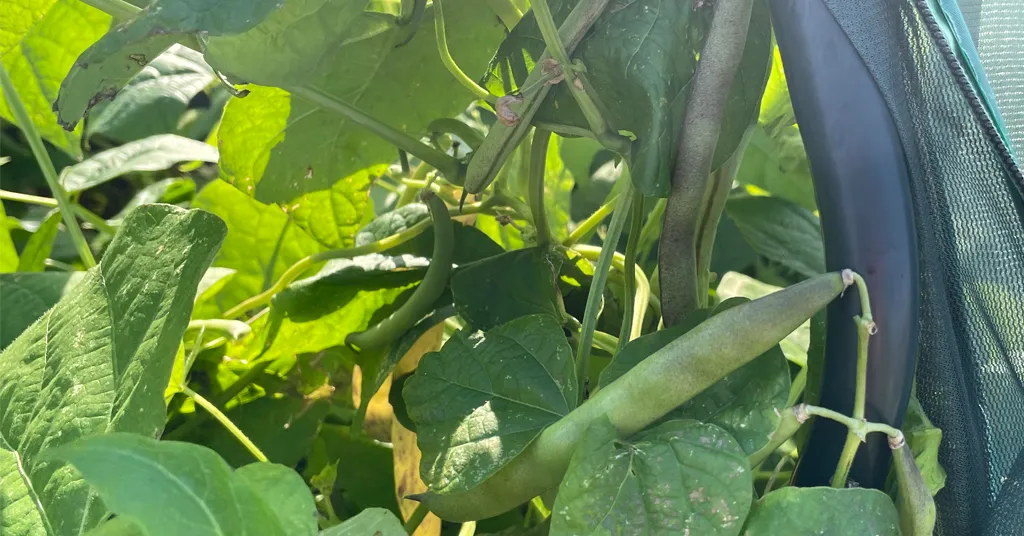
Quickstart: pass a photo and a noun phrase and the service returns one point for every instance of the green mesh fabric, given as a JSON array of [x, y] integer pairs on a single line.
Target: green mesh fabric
[[996, 29], [969, 210]]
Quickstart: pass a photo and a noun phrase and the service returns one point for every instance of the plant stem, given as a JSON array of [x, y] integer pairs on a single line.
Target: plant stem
[[858, 427], [226, 422], [507, 12], [538, 163], [449, 62], [586, 226], [606, 341], [468, 528], [596, 292], [46, 165], [119, 9], [576, 81], [90, 217], [565, 130], [643, 298], [447, 165], [197, 345], [627, 331], [691, 180], [720, 184], [409, 192], [865, 328], [652, 230], [417, 517]]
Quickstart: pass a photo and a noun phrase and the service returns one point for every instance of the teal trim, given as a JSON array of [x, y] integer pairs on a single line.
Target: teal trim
[[951, 20]]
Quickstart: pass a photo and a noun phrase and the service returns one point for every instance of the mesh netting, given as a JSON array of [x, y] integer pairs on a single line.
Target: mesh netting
[[969, 211]]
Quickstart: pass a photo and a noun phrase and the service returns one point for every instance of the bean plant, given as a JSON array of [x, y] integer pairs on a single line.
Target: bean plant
[[394, 267]]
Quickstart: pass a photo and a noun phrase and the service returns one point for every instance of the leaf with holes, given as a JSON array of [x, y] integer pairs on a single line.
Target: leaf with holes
[[679, 477], [106, 66]]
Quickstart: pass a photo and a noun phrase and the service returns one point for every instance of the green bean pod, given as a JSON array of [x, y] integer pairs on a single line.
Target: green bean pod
[[502, 139], [914, 502], [666, 379], [428, 291]]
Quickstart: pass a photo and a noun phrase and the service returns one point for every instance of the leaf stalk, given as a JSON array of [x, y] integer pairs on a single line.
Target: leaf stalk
[[35, 142]]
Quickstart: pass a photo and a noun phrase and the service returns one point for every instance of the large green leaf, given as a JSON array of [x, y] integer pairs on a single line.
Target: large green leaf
[[154, 153], [294, 43], [276, 147], [680, 477], [262, 242], [98, 362], [155, 99], [807, 511], [499, 289], [485, 396], [746, 402], [39, 42], [24, 297], [780, 231], [333, 216], [640, 56], [106, 66], [166, 487], [375, 521]]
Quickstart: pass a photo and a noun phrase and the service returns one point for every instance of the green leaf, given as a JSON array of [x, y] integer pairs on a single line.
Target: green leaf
[[163, 191], [39, 44], [155, 99], [807, 511], [640, 56], [165, 486], [24, 297], [778, 165], [40, 244], [154, 153], [776, 106], [213, 281], [106, 66], [333, 216], [391, 223], [485, 396], [499, 289], [375, 521], [294, 43], [780, 231], [365, 467], [282, 428], [261, 243], [285, 493], [746, 403], [98, 362], [117, 527], [680, 477], [733, 285], [8, 254], [346, 296], [276, 147]]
